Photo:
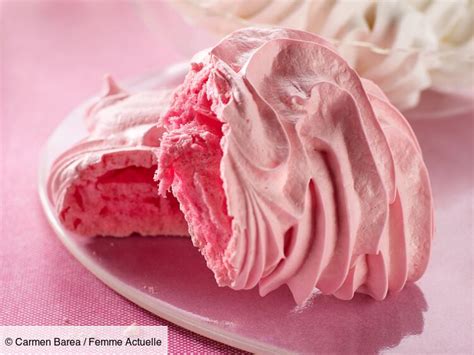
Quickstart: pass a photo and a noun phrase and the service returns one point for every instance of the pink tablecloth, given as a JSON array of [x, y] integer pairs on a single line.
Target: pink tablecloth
[[54, 55]]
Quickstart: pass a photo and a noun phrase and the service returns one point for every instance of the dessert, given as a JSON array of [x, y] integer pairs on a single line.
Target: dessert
[[288, 167], [403, 46], [104, 184], [291, 169]]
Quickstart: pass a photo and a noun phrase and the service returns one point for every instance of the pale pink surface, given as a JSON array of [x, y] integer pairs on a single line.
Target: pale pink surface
[[54, 55]]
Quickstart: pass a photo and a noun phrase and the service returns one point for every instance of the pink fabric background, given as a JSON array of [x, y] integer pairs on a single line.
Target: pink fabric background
[[53, 56]]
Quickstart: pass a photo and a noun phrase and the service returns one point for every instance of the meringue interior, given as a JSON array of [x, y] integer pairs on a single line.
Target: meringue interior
[[117, 199], [189, 160]]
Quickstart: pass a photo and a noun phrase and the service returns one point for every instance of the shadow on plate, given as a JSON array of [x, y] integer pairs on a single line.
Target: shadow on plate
[[172, 270]]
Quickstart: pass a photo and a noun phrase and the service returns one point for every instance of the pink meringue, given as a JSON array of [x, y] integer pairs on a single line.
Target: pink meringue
[[291, 169], [104, 184]]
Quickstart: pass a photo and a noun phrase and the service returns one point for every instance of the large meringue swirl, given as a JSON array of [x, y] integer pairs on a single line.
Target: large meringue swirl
[[322, 180]]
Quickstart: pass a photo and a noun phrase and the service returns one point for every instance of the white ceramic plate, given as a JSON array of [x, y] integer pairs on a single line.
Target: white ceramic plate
[[168, 277]]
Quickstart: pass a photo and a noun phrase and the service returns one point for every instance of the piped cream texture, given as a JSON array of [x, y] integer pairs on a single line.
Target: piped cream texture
[[310, 176], [103, 185]]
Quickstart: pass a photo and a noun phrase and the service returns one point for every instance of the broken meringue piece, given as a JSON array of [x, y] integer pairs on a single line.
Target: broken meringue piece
[[291, 169], [104, 184]]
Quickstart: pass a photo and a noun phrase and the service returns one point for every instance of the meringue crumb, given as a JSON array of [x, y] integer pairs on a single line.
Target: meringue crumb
[[150, 289], [308, 303], [133, 330]]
